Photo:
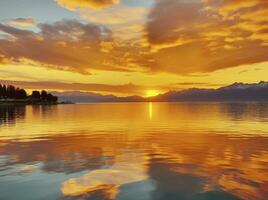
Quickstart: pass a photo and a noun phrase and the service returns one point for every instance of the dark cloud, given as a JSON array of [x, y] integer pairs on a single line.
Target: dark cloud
[[15, 32], [204, 36], [196, 83], [66, 45], [176, 19]]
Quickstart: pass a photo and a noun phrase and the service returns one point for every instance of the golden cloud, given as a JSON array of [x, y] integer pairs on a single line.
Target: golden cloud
[[126, 22], [85, 4], [22, 21], [203, 36], [181, 37], [67, 45]]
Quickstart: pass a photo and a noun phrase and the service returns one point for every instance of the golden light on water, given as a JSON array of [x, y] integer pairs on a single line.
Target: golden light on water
[[91, 52], [136, 141], [150, 110]]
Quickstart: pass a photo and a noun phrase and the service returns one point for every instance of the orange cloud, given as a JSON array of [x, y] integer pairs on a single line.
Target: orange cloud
[[180, 37], [92, 4], [67, 45], [204, 36], [22, 21]]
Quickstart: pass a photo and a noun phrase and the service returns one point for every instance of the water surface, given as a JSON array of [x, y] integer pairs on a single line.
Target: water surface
[[134, 151]]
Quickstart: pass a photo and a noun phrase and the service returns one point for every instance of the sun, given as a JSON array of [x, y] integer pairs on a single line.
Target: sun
[[152, 93]]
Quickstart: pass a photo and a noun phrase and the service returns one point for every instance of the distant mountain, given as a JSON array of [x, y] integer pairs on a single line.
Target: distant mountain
[[87, 97], [234, 92]]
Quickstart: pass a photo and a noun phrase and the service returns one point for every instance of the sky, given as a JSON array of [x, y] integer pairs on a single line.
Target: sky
[[132, 47]]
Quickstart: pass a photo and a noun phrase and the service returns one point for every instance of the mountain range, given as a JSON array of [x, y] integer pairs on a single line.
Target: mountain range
[[233, 92]]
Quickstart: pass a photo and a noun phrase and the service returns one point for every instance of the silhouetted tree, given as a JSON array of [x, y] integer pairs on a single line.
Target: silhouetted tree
[[11, 92], [44, 95], [21, 94], [8, 92], [4, 91], [1, 91], [52, 98], [36, 95]]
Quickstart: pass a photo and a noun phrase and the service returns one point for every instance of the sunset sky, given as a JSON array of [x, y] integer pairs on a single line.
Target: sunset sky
[[132, 47]]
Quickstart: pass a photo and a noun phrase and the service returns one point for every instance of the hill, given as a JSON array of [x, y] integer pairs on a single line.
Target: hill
[[233, 92]]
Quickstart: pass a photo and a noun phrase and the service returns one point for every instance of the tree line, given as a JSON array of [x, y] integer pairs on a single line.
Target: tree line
[[12, 92]]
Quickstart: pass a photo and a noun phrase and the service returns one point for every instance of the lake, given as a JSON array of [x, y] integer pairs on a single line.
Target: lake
[[134, 151]]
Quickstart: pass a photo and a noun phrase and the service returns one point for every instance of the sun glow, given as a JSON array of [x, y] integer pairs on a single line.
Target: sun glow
[[152, 93]]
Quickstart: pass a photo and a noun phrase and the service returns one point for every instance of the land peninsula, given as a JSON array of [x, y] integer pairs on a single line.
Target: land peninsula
[[10, 94]]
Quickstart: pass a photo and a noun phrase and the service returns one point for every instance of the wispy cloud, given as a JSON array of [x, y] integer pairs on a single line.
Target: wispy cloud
[[24, 22], [92, 4], [119, 89]]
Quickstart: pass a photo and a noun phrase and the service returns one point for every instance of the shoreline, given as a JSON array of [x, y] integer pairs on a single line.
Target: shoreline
[[30, 102]]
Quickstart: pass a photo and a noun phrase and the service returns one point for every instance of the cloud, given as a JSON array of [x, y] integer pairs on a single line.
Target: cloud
[[126, 20], [67, 45], [120, 14], [93, 87], [24, 22], [192, 84], [203, 36], [174, 36], [120, 89], [85, 4]]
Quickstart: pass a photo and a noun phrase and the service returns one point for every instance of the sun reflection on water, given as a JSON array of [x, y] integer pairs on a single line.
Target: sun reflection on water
[[150, 110]]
